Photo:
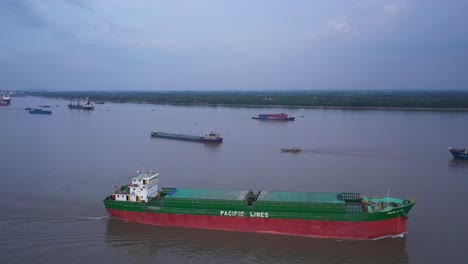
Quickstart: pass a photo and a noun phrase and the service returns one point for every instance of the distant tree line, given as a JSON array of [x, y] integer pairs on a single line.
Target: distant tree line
[[378, 99]]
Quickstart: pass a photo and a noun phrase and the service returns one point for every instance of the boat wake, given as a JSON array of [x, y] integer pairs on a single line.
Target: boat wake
[[358, 152], [391, 236], [92, 217], [376, 153], [42, 218]]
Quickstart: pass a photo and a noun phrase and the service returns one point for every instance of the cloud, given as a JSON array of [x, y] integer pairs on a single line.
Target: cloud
[[19, 13], [81, 4], [339, 26]]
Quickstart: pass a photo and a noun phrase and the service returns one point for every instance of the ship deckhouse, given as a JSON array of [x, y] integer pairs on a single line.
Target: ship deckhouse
[[143, 185], [210, 136]]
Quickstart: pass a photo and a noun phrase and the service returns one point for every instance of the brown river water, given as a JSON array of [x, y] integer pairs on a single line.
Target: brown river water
[[56, 170]]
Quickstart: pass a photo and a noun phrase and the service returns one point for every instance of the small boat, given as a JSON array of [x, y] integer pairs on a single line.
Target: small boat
[[291, 150], [40, 111], [459, 153], [28, 109], [45, 106]]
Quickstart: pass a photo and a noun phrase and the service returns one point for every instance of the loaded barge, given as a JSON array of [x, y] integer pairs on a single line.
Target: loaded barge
[[207, 137], [340, 215], [280, 117], [40, 111]]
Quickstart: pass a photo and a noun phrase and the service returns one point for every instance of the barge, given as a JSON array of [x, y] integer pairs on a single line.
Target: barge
[[40, 111], [341, 215], [280, 117], [293, 150], [209, 137]]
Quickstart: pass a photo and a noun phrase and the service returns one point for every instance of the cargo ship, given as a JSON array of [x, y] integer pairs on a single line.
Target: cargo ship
[[459, 153], [293, 150], [86, 106], [5, 99], [209, 137], [281, 117], [74, 106], [341, 215]]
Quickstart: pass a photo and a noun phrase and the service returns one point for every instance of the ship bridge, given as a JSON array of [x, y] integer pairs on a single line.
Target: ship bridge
[[143, 186]]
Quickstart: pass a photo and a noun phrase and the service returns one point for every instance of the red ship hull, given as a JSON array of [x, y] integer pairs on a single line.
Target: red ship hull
[[311, 228]]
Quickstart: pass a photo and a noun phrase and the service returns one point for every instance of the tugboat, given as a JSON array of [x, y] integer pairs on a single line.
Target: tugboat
[[459, 153]]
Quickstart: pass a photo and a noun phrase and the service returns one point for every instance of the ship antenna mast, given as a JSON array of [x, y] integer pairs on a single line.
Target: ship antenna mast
[[142, 168], [388, 195]]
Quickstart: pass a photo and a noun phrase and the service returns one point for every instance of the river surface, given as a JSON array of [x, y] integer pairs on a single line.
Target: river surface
[[56, 170]]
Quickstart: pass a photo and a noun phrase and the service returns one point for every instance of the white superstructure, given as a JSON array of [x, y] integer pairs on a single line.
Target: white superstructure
[[211, 136], [143, 185]]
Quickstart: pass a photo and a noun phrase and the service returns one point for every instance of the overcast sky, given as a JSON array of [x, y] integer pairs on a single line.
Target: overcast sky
[[233, 45]]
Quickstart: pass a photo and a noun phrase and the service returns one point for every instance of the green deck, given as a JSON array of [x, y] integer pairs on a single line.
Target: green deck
[[207, 194], [299, 197], [332, 206], [176, 136]]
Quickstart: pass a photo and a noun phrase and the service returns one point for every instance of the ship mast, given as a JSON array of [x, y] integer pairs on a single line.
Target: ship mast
[[388, 195]]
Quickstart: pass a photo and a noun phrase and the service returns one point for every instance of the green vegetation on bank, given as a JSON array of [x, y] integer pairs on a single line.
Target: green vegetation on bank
[[371, 99]]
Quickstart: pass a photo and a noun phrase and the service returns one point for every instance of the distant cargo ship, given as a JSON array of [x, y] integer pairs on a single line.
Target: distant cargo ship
[[207, 137], [294, 150], [5, 99], [86, 106], [340, 215], [282, 116], [459, 153]]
